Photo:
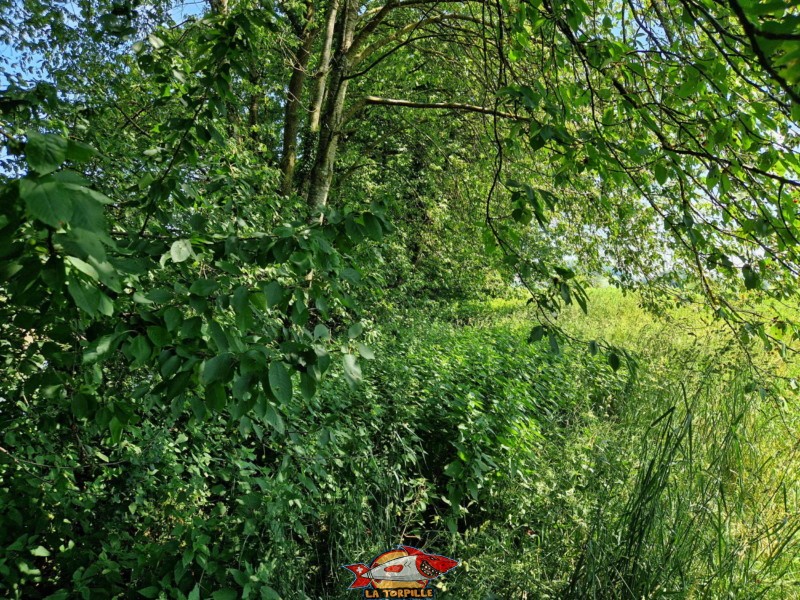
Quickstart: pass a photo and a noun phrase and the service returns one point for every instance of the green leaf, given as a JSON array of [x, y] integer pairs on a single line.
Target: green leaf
[[86, 296], [170, 366], [352, 371], [300, 314], [267, 593], [80, 405], [172, 318], [566, 296], [613, 360], [354, 232], [87, 213], [241, 386], [107, 274], [225, 594], [79, 152], [216, 396], [159, 336], [218, 335], [149, 592], [241, 300], [115, 427], [373, 227], [537, 333], [91, 242], [45, 152], [351, 275], [522, 215], [203, 287], [157, 43], [100, 348], [593, 348], [580, 297], [355, 330], [217, 369], [83, 267], [553, 343], [159, 295], [308, 386], [273, 417], [661, 173], [198, 407], [454, 469], [105, 305], [56, 201], [274, 293], [751, 277], [180, 250], [280, 382], [47, 202], [365, 351], [140, 350], [40, 551]]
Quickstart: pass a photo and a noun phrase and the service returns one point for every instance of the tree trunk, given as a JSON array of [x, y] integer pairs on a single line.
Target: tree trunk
[[331, 118], [324, 67], [253, 104], [291, 123], [219, 7]]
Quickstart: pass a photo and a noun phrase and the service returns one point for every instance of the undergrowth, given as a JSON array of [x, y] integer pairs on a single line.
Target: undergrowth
[[549, 475]]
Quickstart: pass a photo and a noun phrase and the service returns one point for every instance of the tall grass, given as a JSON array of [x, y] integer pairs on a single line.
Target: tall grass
[[711, 508], [549, 475], [708, 514], [682, 483]]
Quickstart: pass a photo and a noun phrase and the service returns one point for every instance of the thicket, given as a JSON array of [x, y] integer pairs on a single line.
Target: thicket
[[548, 474]]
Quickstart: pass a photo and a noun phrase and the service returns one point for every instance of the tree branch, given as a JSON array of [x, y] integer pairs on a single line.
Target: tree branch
[[752, 35], [381, 14], [410, 28], [375, 100]]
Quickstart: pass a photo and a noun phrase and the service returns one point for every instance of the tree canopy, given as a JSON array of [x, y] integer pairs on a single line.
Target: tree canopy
[[653, 140]]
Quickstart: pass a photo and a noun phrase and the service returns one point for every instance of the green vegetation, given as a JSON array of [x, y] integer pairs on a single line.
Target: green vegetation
[[548, 474], [285, 283]]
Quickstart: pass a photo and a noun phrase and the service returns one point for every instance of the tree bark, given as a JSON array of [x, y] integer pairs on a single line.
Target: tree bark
[[324, 67], [454, 106], [219, 7], [311, 137], [331, 118], [292, 112], [253, 104], [341, 27]]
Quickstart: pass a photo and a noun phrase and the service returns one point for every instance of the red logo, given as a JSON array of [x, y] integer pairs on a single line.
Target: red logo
[[401, 573]]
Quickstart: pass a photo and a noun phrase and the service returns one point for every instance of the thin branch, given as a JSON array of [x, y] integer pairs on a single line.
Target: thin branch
[[752, 34], [410, 28], [375, 100], [382, 13]]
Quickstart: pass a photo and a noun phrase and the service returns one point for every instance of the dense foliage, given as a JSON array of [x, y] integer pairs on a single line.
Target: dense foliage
[[246, 255], [545, 473]]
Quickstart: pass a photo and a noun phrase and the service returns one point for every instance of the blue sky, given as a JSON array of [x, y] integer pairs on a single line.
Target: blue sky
[[10, 57]]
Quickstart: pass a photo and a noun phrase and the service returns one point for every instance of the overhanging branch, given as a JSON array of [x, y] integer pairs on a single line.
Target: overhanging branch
[[381, 13], [752, 35], [376, 100]]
